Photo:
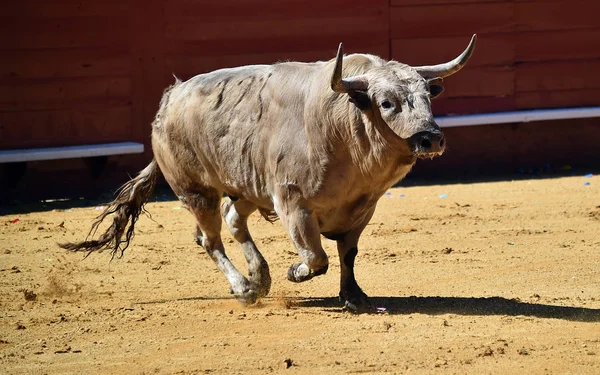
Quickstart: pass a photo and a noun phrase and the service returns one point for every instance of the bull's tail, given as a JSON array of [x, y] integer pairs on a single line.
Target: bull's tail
[[127, 207]]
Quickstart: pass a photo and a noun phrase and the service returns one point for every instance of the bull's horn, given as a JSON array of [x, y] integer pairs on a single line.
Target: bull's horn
[[346, 85], [451, 67]]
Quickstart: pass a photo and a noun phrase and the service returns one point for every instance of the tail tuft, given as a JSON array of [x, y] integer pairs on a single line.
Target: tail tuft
[[127, 207]]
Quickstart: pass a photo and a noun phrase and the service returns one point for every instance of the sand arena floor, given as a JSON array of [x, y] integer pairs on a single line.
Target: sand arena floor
[[498, 277]]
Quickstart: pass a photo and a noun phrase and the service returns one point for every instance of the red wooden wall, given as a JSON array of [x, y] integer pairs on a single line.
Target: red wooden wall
[[65, 72], [80, 72], [530, 53], [202, 36]]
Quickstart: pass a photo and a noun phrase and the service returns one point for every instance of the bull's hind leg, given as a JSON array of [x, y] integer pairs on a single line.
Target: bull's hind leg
[[236, 215], [205, 207]]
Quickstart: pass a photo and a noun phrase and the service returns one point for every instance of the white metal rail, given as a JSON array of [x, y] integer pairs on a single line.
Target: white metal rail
[[68, 152]]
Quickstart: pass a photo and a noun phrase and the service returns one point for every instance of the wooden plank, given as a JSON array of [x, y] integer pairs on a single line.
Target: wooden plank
[[228, 37], [556, 15], [186, 66], [235, 11], [70, 152], [401, 3], [557, 45], [284, 46], [62, 8], [32, 33], [542, 2], [64, 127], [481, 81], [558, 98], [88, 93], [491, 49], [451, 20], [462, 106], [237, 33], [558, 75], [226, 24], [64, 63]]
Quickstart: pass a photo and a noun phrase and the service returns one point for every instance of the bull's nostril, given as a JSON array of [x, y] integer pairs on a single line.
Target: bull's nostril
[[426, 144], [442, 143]]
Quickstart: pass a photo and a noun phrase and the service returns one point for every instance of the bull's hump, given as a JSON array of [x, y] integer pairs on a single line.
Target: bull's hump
[[213, 79]]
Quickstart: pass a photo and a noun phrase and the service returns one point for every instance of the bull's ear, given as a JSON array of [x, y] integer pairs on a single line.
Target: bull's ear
[[360, 99], [435, 90]]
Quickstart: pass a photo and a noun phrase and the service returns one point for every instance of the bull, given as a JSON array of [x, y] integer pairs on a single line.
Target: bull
[[295, 141]]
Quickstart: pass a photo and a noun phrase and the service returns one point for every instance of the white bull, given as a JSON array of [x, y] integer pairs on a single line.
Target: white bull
[[295, 141]]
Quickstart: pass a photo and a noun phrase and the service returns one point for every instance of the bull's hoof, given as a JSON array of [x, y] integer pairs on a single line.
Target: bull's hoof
[[300, 272], [356, 301], [246, 292], [248, 297]]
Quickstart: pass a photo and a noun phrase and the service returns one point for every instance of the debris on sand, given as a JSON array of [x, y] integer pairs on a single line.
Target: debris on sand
[[408, 229], [447, 250], [287, 363], [487, 352], [65, 350], [29, 295]]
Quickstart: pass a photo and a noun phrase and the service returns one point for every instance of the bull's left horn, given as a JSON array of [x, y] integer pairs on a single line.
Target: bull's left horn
[[343, 86], [451, 67]]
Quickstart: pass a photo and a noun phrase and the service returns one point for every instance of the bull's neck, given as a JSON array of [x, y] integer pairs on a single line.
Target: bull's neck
[[349, 135]]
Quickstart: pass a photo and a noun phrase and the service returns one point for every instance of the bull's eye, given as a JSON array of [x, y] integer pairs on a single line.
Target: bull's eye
[[386, 104]]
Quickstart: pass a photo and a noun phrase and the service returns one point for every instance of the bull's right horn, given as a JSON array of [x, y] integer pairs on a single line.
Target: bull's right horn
[[345, 85], [451, 67]]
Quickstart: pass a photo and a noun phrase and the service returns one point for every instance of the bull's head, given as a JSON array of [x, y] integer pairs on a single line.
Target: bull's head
[[400, 95]]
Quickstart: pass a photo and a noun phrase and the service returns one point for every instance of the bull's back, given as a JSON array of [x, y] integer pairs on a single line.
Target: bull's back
[[227, 128]]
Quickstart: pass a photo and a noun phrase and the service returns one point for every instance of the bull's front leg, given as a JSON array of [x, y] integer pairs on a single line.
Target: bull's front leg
[[303, 228], [350, 293]]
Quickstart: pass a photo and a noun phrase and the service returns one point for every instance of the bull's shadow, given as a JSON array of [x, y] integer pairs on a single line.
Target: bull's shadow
[[434, 306], [461, 306]]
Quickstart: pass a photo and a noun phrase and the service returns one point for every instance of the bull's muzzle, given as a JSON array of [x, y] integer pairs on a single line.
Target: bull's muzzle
[[427, 144]]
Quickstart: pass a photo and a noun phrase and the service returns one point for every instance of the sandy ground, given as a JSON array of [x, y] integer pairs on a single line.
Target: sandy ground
[[496, 277]]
